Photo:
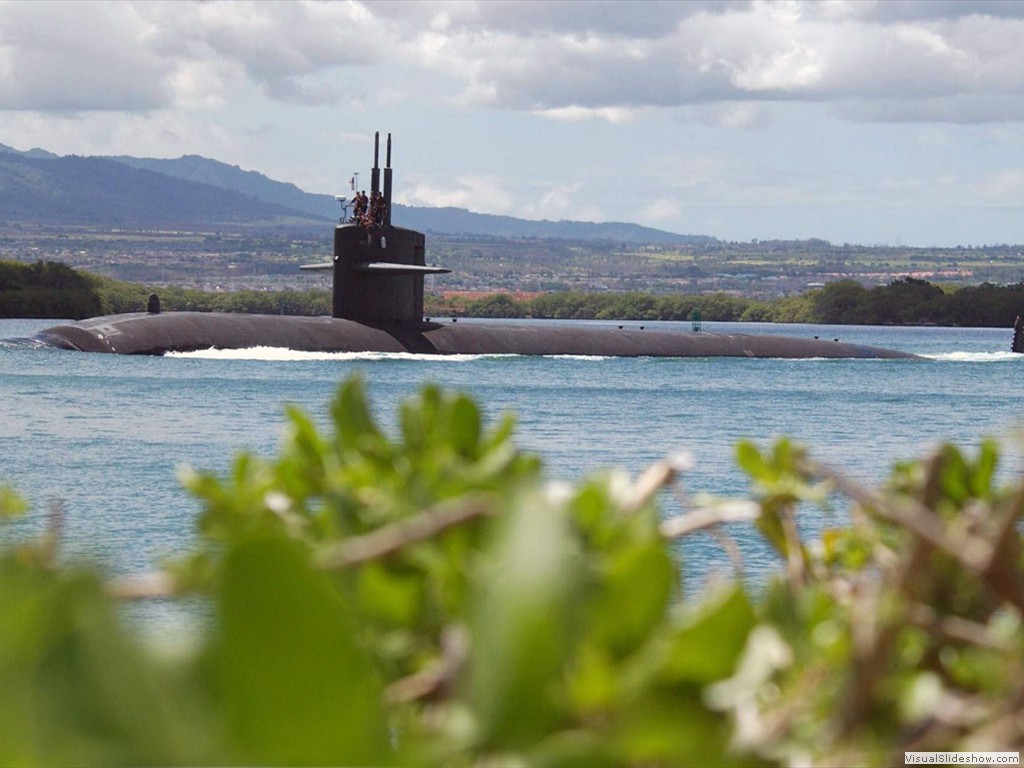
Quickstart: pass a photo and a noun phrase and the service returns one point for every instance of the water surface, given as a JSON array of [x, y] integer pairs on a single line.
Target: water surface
[[104, 433]]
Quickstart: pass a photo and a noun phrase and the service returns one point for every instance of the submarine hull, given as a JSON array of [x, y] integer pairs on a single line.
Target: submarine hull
[[157, 334]]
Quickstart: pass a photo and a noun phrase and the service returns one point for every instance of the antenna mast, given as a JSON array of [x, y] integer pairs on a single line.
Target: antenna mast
[[387, 186]]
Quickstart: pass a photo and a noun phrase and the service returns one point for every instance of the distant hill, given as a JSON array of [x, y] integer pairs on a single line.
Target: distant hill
[[35, 152], [459, 221], [201, 191], [92, 191], [250, 183]]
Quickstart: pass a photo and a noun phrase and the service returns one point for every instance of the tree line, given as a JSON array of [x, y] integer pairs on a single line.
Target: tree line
[[46, 289], [54, 290], [907, 301]]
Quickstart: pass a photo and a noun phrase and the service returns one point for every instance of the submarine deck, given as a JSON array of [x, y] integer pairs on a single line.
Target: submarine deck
[[156, 334]]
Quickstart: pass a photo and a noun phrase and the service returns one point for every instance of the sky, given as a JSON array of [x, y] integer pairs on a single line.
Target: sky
[[897, 123]]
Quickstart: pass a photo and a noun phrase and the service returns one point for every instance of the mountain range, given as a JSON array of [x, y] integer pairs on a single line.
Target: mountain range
[[39, 187]]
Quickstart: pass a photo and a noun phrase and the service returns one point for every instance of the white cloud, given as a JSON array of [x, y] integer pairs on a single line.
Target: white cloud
[[661, 210], [566, 60], [203, 84], [157, 133], [851, 55], [744, 114], [488, 194], [1006, 185], [78, 56], [554, 201], [285, 48], [475, 193], [576, 114]]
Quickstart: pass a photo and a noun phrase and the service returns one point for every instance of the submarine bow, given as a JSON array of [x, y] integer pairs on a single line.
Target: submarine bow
[[378, 273]]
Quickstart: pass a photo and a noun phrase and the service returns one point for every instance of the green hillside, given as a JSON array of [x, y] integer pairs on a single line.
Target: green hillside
[[91, 191]]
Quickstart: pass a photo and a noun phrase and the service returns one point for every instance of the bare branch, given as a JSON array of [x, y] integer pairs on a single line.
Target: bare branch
[[955, 627], [654, 478], [732, 550], [54, 530], [705, 517], [144, 586], [796, 563], [391, 538], [434, 681]]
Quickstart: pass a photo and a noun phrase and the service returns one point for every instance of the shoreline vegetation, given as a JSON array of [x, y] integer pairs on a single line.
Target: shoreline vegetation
[[426, 598], [47, 289]]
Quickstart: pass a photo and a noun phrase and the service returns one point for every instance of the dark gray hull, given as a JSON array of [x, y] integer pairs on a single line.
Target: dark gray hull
[[156, 334]]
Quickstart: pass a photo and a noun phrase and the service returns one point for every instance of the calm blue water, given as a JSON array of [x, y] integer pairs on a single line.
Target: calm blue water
[[104, 433]]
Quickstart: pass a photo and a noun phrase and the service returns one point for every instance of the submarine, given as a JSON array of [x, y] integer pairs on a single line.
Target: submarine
[[378, 273]]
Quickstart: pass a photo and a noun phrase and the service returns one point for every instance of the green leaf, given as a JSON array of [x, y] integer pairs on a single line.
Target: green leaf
[[709, 642], [296, 685], [984, 470], [350, 412], [750, 460], [75, 686], [674, 728], [465, 427], [390, 596], [634, 596], [11, 504], [522, 627]]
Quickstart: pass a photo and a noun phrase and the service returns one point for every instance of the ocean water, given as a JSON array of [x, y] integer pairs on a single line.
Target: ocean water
[[104, 434]]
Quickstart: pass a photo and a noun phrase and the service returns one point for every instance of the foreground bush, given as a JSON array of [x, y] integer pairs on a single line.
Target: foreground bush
[[428, 599]]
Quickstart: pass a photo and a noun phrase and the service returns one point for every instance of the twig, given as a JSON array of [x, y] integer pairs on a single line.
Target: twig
[[654, 478], [433, 681], [391, 538], [705, 517], [955, 627], [796, 564], [54, 530], [144, 586], [732, 550]]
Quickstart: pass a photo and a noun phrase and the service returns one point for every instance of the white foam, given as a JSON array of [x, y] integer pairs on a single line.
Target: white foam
[[581, 357], [282, 354], [976, 357]]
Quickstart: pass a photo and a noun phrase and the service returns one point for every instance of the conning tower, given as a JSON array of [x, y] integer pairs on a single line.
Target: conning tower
[[378, 268]]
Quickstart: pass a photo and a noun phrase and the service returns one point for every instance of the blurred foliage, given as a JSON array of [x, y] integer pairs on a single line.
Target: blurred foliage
[[429, 598]]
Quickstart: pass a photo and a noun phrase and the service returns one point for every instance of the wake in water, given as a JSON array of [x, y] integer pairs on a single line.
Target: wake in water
[[976, 357], [280, 354], [23, 344]]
